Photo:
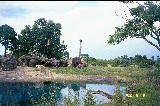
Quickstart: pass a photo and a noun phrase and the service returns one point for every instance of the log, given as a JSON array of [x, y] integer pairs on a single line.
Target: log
[[109, 96]]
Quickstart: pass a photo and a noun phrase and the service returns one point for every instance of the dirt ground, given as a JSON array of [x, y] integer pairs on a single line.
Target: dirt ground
[[30, 74]]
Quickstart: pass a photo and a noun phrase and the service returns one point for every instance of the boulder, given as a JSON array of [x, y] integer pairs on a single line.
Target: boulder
[[41, 68], [63, 63], [74, 61], [30, 61], [8, 63], [24, 60], [13, 62], [33, 63]]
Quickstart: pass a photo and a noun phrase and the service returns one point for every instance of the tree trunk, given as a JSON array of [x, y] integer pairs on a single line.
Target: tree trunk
[[5, 51]]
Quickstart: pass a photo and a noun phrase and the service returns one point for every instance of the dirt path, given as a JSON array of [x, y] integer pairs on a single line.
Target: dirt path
[[29, 74]]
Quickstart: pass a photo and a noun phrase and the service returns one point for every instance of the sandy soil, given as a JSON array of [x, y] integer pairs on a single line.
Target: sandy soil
[[29, 74]]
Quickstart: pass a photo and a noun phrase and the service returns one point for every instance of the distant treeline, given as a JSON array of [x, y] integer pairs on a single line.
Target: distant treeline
[[125, 61]]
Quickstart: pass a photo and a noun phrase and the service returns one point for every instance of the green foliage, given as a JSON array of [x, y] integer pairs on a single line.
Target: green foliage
[[66, 54], [141, 26], [43, 101], [126, 2], [89, 100], [150, 88], [138, 60], [72, 101], [43, 38], [92, 60], [124, 61], [154, 76], [68, 102], [151, 96], [8, 38], [86, 56], [117, 96]]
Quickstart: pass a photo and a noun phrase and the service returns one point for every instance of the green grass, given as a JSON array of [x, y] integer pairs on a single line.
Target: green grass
[[129, 72]]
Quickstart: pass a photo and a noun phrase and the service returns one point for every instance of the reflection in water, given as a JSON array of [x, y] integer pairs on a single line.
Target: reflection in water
[[39, 85], [28, 94], [81, 91]]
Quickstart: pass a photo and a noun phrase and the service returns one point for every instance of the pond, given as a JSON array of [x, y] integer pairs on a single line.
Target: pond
[[29, 94]]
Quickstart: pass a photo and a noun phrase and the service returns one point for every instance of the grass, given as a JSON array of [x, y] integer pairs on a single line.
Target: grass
[[122, 72], [151, 96]]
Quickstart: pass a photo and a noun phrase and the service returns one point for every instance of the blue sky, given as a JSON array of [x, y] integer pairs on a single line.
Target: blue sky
[[91, 21]]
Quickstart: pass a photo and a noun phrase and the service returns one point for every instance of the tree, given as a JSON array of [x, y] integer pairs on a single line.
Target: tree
[[8, 38], [92, 60], [43, 38], [25, 41], [125, 2], [85, 56], [141, 26], [66, 55]]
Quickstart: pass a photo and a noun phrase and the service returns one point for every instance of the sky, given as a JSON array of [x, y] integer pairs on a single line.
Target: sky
[[91, 21]]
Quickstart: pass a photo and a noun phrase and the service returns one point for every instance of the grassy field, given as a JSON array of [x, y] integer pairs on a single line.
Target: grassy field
[[123, 72]]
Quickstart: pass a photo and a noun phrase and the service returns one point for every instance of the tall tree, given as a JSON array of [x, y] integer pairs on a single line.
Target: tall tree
[[8, 38], [25, 43], [141, 26], [43, 38]]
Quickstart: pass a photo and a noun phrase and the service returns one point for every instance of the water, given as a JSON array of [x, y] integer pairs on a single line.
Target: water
[[28, 94]]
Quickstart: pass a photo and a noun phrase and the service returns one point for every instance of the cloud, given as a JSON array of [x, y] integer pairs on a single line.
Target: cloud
[[41, 5], [12, 12], [92, 25], [92, 22]]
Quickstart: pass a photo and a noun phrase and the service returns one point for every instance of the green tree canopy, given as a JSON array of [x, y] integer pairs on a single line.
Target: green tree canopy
[[8, 38], [43, 38], [141, 26]]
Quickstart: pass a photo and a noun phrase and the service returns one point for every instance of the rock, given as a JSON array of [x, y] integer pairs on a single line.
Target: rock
[[24, 60], [13, 62], [63, 63], [109, 65], [74, 61], [33, 63], [8, 63], [41, 68]]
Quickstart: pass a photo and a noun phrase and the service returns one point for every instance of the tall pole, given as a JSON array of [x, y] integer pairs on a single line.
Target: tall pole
[[80, 48]]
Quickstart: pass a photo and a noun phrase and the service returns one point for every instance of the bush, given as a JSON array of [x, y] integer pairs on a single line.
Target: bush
[[89, 100]]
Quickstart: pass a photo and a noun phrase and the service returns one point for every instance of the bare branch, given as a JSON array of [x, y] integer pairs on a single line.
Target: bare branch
[[153, 36], [157, 37], [152, 43]]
